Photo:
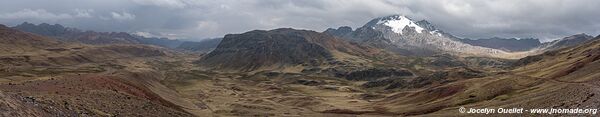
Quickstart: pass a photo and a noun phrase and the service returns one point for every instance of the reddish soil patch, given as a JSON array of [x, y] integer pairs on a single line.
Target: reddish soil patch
[[92, 95]]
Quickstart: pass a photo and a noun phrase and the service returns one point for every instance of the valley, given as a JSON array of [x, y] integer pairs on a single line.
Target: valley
[[384, 68]]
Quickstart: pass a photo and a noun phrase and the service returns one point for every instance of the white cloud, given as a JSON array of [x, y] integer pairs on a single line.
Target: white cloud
[[162, 3], [86, 13], [123, 16], [42, 14], [144, 34], [157, 35]]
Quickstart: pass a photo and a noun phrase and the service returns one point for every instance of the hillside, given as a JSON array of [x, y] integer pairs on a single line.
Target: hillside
[[282, 48], [569, 41], [75, 35], [16, 42], [41, 76], [391, 66], [564, 78]]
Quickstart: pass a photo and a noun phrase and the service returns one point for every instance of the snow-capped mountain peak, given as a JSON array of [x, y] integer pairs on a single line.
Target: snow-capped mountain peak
[[396, 31], [398, 22]]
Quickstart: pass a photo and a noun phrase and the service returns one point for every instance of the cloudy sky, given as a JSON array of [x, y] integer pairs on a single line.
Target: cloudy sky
[[198, 19]]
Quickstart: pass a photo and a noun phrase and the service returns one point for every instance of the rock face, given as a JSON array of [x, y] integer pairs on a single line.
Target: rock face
[[279, 48], [403, 35], [506, 44]]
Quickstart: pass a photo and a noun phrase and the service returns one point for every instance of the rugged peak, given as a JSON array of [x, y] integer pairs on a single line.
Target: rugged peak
[[425, 24], [396, 23], [394, 17], [405, 35]]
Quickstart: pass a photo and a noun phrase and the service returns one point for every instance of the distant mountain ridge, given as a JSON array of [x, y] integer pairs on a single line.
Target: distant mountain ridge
[[569, 41], [530, 44], [101, 38], [17, 42], [75, 35], [405, 36], [506, 44]]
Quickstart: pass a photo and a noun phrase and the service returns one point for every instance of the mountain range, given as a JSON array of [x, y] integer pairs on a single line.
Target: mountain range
[[101, 38], [391, 66], [566, 42], [401, 34], [506, 44]]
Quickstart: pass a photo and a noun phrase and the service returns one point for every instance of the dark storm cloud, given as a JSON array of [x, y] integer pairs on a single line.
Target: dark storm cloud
[[546, 19]]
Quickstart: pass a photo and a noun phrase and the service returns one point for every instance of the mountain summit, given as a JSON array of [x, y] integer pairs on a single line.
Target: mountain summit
[[397, 23], [406, 36], [400, 23]]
